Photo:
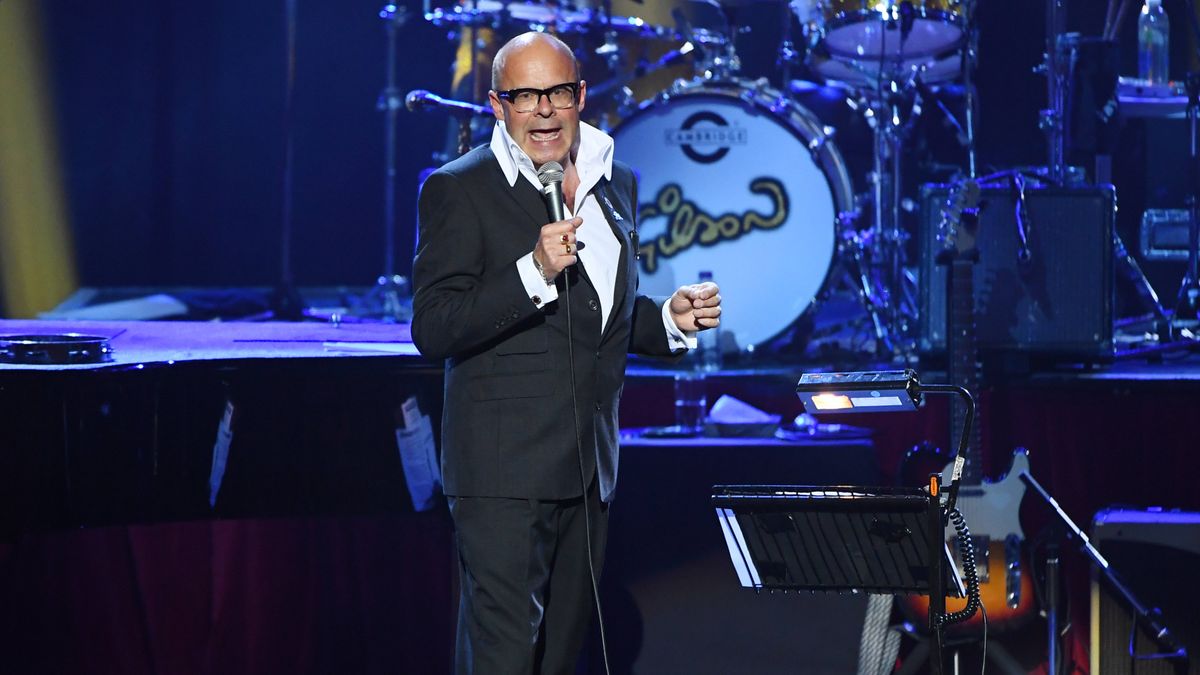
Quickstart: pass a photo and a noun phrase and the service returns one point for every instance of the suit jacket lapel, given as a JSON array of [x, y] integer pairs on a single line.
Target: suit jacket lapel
[[528, 198], [620, 227]]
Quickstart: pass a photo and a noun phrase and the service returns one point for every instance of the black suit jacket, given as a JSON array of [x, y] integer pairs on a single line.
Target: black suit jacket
[[507, 427]]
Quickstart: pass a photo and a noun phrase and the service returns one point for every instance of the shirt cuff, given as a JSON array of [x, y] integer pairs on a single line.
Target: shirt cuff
[[536, 287], [676, 338]]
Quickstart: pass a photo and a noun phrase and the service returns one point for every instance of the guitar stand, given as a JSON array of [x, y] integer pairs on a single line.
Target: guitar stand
[[997, 655], [1148, 619]]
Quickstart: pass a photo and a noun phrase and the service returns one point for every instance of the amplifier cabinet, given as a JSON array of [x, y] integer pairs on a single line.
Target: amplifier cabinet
[[1156, 554], [1057, 303]]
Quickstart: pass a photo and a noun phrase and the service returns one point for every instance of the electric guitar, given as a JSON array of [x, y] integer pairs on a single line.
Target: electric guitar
[[991, 508]]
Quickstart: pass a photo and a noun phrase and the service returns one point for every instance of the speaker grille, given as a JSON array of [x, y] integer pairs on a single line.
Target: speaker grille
[[1059, 303]]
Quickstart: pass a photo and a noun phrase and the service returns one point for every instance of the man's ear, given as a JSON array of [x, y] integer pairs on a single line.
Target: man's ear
[[497, 106], [582, 95]]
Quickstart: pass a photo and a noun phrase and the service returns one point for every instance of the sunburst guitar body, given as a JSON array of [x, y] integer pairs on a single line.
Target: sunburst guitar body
[[1005, 581]]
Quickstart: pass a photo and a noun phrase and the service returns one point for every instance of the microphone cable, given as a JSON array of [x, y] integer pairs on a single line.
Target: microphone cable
[[583, 483], [546, 177]]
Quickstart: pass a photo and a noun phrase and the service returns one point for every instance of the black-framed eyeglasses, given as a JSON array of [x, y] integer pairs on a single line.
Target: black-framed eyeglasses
[[525, 100]]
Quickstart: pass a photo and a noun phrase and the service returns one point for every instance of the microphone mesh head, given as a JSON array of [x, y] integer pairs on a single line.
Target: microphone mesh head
[[550, 173]]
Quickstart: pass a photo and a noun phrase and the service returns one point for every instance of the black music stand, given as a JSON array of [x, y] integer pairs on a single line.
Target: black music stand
[[877, 540]]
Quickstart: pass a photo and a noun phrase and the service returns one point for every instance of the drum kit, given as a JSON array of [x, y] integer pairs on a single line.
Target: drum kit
[[742, 178]]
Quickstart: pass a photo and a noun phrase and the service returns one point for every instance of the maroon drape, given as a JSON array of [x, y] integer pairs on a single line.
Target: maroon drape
[[319, 595]]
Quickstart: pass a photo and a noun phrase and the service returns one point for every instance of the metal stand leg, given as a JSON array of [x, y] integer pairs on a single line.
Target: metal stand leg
[[384, 302], [1052, 580], [882, 252], [1187, 302], [1053, 121], [1129, 269]]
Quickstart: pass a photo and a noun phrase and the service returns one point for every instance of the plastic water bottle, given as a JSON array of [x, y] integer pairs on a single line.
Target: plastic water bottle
[[1154, 47], [708, 342]]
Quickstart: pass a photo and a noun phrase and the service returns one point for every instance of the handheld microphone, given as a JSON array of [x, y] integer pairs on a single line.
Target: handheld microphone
[[551, 177]]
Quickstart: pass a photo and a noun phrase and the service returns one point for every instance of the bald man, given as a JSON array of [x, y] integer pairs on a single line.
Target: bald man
[[529, 428]]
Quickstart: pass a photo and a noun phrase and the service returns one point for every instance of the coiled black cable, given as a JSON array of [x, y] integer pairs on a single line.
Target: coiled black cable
[[966, 549]]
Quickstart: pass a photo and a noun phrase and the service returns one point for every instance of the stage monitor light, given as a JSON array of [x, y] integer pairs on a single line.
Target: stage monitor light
[[872, 391]]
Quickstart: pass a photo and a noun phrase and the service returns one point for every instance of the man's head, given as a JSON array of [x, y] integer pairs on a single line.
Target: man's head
[[547, 130]]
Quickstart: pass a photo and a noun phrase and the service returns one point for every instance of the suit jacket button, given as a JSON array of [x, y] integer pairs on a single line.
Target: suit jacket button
[[598, 406], [593, 305]]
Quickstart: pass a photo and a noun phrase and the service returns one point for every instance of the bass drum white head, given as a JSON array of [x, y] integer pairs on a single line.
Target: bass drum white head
[[746, 184]]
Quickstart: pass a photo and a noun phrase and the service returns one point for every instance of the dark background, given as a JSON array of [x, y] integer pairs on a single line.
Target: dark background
[[170, 118], [171, 123]]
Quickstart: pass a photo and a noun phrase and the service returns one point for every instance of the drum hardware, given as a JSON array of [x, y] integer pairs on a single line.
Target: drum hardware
[[854, 247], [710, 27], [542, 17], [887, 55], [498, 14], [866, 30], [1057, 71], [595, 34], [1186, 316], [788, 56], [58, 349], [890, 294], [619, 84]]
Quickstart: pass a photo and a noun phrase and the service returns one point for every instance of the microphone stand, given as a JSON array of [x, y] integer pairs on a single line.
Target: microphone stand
[[1147, 618], [286, 303], [384, 300]]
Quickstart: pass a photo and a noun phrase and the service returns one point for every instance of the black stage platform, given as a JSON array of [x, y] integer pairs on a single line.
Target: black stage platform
[[314, 498]]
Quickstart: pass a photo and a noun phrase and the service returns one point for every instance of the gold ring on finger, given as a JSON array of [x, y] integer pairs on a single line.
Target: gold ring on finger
[[568, 248]]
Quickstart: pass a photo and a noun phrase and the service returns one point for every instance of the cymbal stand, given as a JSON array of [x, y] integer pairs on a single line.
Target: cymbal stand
[[1052, 120], [788, 55], [384, 300], [1187, 303], [967, 69]]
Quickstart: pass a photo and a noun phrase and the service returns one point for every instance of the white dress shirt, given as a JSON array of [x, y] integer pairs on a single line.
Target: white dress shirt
[[601, 253]]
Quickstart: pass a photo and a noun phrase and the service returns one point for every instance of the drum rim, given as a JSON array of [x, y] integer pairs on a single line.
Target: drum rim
[[816, 60], [54, 349], [829, 160], [847, 18], [500, 12]]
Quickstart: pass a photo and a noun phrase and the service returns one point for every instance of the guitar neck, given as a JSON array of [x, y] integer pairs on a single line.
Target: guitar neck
[[963, 351]]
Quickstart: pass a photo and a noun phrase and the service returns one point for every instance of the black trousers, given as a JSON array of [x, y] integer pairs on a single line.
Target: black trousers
[[526, 599]]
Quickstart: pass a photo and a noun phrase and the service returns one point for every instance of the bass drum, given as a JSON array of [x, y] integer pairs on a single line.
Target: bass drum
[[741, 181]]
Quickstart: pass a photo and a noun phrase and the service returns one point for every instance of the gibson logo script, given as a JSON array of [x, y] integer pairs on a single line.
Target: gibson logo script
[[688, 225]]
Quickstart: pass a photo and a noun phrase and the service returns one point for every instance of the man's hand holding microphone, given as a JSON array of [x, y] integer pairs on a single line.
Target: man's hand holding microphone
[[557, 248]]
